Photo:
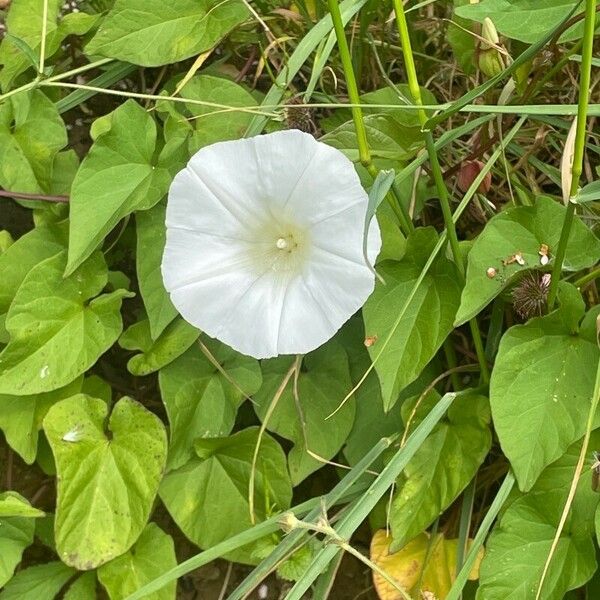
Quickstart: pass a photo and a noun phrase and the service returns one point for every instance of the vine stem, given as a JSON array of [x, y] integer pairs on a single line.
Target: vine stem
[[436, 171], [25, 196], [364, 152], [43, 40], [579, 150]]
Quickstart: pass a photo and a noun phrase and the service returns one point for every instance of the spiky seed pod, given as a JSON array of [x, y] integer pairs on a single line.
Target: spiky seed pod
[[300, 117], [530, 295]]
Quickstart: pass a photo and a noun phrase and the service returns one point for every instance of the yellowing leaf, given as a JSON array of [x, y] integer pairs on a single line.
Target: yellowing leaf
[[406, 566]]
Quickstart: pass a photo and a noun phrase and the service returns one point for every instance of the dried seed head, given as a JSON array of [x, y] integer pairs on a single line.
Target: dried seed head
[[299, 117], [531, 294]]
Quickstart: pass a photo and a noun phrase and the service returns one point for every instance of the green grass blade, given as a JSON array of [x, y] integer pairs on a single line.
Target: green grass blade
[[114, 73], [461, 579], [365, 504], [296, 536]]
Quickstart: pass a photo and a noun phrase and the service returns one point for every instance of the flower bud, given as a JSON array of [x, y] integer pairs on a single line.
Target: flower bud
[[288, 522], [491, 60], [467, 174]]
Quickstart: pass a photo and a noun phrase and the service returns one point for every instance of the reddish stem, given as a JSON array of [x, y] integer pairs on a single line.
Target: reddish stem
[[25, 196]]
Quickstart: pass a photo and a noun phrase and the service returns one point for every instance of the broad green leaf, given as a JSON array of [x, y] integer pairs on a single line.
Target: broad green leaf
[[524, 20], [223, 125], [107, 478], [83, 588], [151, 235], [462, 41], [208, 497], [24, 254], [57, 331], [41, 582], [13, 504], [442, 467], [21, 49], [24, 21], [323, 382], [117, 177], [521, 229], [21, 417], [520, 543], [153, 32], [201, 400], [173, 342], [541, 388], [16, 531], [426, 323], [31, 134], [151, 555]]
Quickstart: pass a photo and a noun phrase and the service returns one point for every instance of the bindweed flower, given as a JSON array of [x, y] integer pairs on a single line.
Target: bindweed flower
[[264, 243]]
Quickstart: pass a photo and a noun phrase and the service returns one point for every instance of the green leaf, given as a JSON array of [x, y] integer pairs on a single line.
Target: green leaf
[[151, 235], [153, 32], [381, 186], [57, 331], [201, 400], [107, 480], [541, 387], [83, 588], [323, 382], [221, 126], [16, 531], [442, 467], [24, 21], [42, 582], [216, 483], [21, 417], [13, 504], [520, 543], [173, 342], [117, 177], [523, 20], [521, 229], [152, 555], [589, 193], [31, 134], [29, 250], [427, 322]]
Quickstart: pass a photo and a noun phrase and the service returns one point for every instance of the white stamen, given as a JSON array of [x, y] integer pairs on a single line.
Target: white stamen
[[282, 243]]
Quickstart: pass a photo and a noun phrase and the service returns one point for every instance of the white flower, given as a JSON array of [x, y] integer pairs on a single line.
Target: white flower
[[264, 243]]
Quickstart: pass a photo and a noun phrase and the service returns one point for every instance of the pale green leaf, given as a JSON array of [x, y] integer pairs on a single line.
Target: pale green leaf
[[541, 388], [21, 417], [31, 134], [117, 177], [216, 484], [323, 383], [151, 555], [154, 32], [151, 235], [521, 229], [201, 400], [426, 323], [57, 331], [107, 478], [13, 504]]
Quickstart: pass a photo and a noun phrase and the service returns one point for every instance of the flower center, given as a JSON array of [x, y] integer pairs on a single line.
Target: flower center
[[281, 243]]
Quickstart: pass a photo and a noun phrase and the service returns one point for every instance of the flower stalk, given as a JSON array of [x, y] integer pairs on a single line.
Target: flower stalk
[[436, 171], [579, 149]]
